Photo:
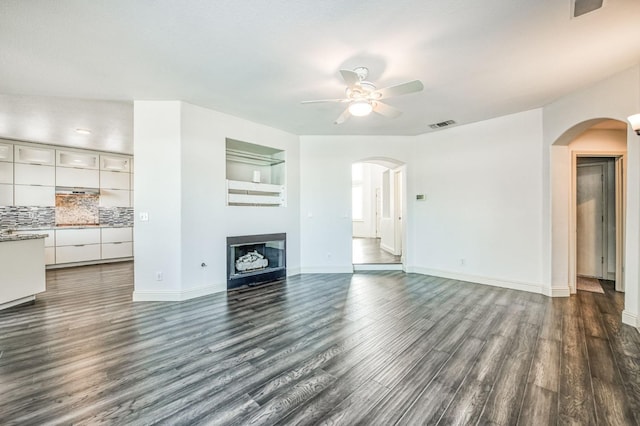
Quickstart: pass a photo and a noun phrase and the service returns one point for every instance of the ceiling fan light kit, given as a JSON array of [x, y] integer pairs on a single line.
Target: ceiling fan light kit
[[360, 108], [363, 97]]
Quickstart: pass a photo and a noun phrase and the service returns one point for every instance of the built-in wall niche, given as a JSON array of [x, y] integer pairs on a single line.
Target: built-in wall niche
[[255, 174]]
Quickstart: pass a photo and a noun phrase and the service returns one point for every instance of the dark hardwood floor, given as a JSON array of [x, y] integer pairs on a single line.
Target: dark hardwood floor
[[377, 348]]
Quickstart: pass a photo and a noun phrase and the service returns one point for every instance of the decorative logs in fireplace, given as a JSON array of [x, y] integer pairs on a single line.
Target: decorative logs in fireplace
[[256, 259]]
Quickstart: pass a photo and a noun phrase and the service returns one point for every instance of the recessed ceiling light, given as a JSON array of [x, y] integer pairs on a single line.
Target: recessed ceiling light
[[83, 131]]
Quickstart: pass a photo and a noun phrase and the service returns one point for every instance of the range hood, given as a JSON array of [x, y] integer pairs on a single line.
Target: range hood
[[69, 190]]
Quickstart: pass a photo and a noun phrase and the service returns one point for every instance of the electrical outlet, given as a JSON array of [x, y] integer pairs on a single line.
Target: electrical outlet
[[462, 262], [144, 216], [159, 276]]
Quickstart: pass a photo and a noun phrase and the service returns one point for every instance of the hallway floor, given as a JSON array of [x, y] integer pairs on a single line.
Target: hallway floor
[[368, 251]]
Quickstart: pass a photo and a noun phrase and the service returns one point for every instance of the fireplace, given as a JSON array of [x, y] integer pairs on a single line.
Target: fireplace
[[255, 259]]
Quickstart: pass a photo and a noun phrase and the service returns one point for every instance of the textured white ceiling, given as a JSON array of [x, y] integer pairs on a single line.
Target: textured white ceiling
[[258, 60]]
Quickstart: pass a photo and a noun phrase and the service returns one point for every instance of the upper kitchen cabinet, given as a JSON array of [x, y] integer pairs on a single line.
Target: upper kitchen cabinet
[[6, 172], [114, 180], [255, 174], [115, 163], [71, 177], [33, 174], [82, 160], [34, 155], [6, 151]]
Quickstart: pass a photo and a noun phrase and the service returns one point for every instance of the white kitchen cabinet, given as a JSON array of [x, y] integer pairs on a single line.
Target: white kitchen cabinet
[[117, 235], [117, 250], [6, 152], [114, 180], [29, 195], [77, 253], [77, 245], [6, 194], [6, 172], [115, 198], [34, 155], [77, 236], [32, 174], [77, 159], [115, 163], [79, 178]]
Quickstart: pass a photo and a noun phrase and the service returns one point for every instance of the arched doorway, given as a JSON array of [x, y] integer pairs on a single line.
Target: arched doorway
[[378, 206], [598, 144]]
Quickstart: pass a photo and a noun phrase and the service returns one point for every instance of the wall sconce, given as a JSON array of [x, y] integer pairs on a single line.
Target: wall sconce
[[634, 120]]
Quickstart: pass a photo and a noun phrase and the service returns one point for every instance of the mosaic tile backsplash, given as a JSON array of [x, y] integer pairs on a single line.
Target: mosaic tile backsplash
[[116, 216], [32, 217], [25, 217], [77, 209]]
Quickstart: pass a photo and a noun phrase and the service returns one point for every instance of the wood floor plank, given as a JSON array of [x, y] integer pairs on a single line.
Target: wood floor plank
[[505, 400], [369, 348]]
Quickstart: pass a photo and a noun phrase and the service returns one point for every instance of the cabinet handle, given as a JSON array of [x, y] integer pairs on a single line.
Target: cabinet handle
[[79, 245], [118, 242]]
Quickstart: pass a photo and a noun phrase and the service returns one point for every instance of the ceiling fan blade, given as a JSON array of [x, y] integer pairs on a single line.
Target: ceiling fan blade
[[400, 89], [324, 100], [350, 77], [386, 110], [343, 117]]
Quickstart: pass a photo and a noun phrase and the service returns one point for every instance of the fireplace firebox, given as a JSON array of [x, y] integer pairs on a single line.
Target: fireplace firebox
[[256, 259]]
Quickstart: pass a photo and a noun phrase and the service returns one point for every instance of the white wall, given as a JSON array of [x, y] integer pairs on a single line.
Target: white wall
[[156, 132], [482, 218], [614, 98], [325, 201], [185, 195]]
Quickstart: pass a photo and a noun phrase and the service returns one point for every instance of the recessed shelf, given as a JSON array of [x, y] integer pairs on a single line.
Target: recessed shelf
[[255, 174]]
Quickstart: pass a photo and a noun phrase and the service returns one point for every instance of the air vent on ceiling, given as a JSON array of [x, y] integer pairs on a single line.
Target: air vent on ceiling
[[582, 7], [442, 124]]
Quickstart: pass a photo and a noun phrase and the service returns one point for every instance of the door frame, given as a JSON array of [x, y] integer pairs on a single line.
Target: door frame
[[620, 173]]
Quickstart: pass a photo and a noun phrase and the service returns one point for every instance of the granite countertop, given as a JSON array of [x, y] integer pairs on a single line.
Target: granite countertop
[[19, 237]]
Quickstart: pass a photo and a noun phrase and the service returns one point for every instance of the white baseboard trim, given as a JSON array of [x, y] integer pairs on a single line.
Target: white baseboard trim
[[176, 296], [87, 263], [293, 271], [558, 292], [346, 269], [379, 267], [631, 319], [17, 302], [477, 279]]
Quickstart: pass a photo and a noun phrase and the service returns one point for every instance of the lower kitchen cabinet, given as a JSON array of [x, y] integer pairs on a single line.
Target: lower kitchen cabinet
[[116, 250], [77, 253]]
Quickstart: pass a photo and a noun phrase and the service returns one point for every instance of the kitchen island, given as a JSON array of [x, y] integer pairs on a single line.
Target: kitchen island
[[22, 270]]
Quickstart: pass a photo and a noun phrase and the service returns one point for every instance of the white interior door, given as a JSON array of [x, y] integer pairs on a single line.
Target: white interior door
[[590, 220]]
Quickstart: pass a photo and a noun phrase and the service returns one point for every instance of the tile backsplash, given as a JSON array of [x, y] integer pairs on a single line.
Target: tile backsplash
[[33, 217], [25, 217], [77, 209], [116, 216]]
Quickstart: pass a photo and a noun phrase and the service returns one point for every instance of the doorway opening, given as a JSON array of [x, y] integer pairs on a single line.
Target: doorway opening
[[377, 214], [597, 207], [597, 211]]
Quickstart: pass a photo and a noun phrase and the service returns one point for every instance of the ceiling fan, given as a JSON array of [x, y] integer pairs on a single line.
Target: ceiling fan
[[363, 97]]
